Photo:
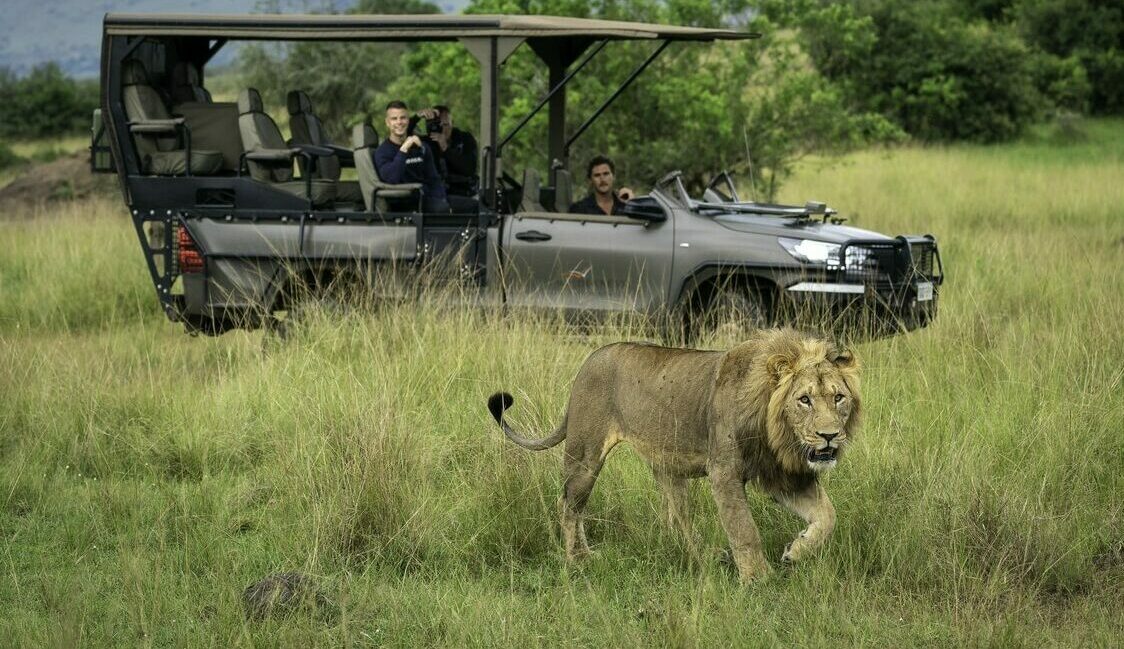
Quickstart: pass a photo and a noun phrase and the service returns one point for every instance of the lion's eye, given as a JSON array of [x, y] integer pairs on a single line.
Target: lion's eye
[[805, 400], [838, 398]]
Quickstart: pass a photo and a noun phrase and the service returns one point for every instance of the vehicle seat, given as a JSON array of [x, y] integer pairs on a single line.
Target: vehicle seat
[[185, 84], [563, 190], [531, 192], [375, 191], [260, 135], [157, 134], [306, 128]]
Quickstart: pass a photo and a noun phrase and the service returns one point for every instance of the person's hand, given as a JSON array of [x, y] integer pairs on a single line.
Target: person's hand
[[625, 194], [428, 113], [441, 139], [411, 142]]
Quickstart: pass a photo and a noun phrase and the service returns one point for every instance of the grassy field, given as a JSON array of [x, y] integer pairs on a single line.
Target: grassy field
[[148, 477]]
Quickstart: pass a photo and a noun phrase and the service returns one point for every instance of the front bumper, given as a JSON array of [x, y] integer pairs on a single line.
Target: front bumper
[[883, 286]]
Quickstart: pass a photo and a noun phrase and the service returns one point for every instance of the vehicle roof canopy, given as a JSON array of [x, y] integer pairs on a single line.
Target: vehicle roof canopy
[[403, 27], [557, 41]]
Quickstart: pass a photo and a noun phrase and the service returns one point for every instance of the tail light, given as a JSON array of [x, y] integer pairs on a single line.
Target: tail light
[[187, 252]]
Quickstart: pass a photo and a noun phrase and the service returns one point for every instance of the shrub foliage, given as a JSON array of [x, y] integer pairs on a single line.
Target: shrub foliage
[[45, 103]]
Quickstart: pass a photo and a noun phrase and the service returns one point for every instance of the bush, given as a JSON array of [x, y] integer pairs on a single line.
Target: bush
[[1090, 33], [45, 103], [936, 74], [8, 157]]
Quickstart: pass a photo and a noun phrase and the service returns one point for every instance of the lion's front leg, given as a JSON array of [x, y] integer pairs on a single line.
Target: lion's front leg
[[816, 509], [733, 510]]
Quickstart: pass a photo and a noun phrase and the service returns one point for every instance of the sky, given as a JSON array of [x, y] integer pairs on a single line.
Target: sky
[[34, 32]]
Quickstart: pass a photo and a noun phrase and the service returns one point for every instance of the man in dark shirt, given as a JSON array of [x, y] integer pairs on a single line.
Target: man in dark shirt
[[602, 199], [403, 158], [456, 153]]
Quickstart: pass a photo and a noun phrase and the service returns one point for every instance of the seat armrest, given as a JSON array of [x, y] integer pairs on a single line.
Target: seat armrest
[[155, 125], [312, 149], [346, 155], [405, 190], [270, 155]]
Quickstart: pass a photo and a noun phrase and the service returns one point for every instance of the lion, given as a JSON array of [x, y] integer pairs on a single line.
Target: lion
[[777, 410]]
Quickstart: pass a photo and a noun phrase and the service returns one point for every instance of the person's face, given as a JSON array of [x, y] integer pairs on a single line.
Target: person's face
[[601, 177], [397, 121]]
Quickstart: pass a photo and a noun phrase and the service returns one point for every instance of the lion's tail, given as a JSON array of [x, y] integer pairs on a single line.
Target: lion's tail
[[501, 401]]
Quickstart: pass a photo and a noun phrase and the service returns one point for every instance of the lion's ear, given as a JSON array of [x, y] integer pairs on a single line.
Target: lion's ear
[[844, 359], [778, 365]]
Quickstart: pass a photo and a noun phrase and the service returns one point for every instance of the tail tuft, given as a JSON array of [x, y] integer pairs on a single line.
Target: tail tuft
[[498, 403]]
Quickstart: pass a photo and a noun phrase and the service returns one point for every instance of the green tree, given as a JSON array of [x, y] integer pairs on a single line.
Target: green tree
[[1085, 34], [924, 65], [45, 103]]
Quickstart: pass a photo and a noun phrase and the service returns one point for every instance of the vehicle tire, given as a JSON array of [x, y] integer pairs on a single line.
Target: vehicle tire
[[280, 329], [731, 315]]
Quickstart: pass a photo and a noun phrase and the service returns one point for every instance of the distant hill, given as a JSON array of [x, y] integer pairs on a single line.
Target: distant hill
[[34, 32]]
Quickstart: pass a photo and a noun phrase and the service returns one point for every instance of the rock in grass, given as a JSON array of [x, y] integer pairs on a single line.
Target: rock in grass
[[282, 594]]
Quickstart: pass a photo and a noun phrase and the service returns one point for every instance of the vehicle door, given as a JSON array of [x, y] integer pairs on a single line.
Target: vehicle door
[[587, 262]]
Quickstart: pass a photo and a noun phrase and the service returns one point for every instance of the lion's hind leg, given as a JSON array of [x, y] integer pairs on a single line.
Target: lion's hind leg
[[813, 505], [583, 463]]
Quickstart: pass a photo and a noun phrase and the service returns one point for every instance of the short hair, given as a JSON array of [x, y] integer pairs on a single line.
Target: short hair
[[599, 160], [397, 103], [441, 109]]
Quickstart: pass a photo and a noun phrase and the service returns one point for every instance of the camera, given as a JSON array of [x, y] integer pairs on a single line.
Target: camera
[[431, 125]]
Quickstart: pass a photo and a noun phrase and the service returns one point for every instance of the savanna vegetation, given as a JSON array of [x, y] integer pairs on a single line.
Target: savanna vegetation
[[148, 477]]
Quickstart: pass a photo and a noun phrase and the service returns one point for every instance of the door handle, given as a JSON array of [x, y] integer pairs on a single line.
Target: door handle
[[532, 235]]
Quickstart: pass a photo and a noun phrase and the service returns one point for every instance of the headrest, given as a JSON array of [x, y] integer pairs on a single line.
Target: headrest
[[185, 74], [249, 101], [298, 102], [133, 73], [364, 135]]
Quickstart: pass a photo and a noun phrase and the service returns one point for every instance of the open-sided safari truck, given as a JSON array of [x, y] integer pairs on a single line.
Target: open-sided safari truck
[[234, 220]]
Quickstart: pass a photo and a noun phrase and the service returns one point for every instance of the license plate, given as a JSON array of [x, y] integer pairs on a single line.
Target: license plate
[[924, 291]]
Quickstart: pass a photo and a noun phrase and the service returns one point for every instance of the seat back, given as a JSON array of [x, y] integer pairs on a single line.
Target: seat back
[[306, 128], [186, 86], [532, 186], [365, 140], [563, 190], [142, 102], [259, 132]]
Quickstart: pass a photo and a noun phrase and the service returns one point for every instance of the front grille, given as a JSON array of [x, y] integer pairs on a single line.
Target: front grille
[[891, 264]]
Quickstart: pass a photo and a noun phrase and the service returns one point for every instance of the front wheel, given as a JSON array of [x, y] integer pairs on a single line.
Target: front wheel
[[730, 315]]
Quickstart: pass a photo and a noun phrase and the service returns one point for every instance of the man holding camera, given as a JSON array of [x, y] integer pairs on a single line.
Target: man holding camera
[[602, 199], [455, 150], [404, 158]]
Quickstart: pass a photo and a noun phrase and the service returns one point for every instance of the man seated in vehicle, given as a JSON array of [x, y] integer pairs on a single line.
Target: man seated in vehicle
[[602, 198], [456, 152], [404, 158]]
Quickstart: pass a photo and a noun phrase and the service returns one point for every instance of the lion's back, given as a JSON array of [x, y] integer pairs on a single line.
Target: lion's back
[[643, 387]]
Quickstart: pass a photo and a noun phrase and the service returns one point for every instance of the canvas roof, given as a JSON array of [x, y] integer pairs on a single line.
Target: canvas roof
[[423, 27]]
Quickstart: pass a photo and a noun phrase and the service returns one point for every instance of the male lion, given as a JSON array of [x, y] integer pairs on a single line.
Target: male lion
[[776, 410]]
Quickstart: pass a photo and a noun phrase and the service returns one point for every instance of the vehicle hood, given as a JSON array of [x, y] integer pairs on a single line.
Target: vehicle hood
[[794, 228]]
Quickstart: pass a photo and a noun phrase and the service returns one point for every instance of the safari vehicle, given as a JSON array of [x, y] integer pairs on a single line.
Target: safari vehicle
[[235, 222]]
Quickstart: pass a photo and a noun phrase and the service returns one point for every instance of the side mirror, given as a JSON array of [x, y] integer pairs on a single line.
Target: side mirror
[[644, 208]]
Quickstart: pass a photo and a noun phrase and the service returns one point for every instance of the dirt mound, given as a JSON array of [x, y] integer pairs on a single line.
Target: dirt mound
[[66, 178]]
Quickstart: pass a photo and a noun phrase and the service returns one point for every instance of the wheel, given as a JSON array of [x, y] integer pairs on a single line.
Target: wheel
[[730, 315]]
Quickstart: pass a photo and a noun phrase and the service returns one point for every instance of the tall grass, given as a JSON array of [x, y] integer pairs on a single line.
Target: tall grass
[[147, 477]]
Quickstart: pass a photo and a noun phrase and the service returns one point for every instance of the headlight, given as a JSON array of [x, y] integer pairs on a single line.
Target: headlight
[[810, 251]]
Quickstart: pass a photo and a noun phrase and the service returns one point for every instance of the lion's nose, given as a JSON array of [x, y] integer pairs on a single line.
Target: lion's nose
[[827, 437]]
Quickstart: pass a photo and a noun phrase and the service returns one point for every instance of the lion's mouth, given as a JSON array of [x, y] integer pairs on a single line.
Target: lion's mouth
[[826, 454]]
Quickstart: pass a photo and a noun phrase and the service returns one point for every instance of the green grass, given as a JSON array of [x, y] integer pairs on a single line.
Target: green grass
[[147, 477]]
